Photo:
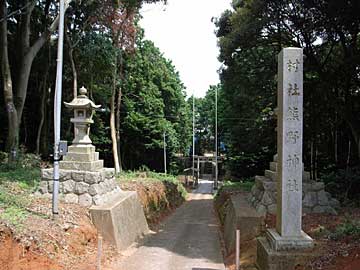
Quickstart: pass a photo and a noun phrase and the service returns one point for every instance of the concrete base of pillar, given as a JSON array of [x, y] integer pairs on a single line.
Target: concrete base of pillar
[[279, 243], [271, 259]]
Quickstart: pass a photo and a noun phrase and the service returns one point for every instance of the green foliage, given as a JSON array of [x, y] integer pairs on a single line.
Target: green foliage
[[16, 187], [343, 183], [230, 186], [24, 161], [147, 175], [153, 103], [14, 215], [25, 171], [247, 164], [26, 178], [13, 204], [250, 36], [348, 228], [205, 121]]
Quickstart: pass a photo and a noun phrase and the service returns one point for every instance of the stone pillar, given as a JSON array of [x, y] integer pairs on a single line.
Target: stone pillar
[[288, 233], [282, 247], [289, 142]]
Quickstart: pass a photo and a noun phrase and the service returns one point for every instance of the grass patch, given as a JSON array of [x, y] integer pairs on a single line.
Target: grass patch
[[15, 188], [26, 178]]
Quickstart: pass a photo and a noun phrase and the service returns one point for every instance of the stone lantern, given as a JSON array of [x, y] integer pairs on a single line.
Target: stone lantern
[[83, 113]]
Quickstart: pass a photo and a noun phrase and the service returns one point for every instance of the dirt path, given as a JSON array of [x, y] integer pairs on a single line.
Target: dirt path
[[188, 240]]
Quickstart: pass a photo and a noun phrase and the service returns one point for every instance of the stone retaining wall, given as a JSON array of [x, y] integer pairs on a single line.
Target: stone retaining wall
[[314, 200], [83, 187]]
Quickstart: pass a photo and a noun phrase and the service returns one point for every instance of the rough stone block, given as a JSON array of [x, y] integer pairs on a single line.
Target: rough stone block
[[68, 186], [95, 189], [47, 174], [267, 199], [273, 166], [43, 187], [269, 185], [81, 188], [121, 220], [271, 174], [323, 198], [50, 186], [98, 200], [65, 175], [335, 203], [324, 209], [241, 215], [272, 208], [317, 186], [310, 199], [78, 176], [93, 177], [109, 172], [71, 198], [261, 209], [85, 200]]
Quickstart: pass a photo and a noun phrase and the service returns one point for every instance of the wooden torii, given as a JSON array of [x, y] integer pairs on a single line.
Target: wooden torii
[[198, 160]]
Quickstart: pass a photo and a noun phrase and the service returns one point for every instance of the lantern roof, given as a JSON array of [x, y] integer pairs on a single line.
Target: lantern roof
[[82, 101]]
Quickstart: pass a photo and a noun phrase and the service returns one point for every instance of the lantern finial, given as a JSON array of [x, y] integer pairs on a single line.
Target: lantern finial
[[83, 91]]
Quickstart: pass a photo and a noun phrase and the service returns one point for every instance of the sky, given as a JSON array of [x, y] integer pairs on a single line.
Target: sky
[[183, 31]]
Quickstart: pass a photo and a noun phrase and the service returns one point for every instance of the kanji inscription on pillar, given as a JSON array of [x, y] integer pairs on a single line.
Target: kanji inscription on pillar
[[290, 137]]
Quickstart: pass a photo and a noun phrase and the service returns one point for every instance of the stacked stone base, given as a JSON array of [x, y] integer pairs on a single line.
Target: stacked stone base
[[83, 187], [314, 198]]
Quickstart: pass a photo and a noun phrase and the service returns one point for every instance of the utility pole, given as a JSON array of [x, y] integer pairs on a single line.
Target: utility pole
[[57, 111], [193, 153], [216, 142], [165, 153]]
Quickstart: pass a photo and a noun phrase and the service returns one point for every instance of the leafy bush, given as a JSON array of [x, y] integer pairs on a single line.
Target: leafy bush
[[349, 228], [344, 184], [25, 161], [230, 186], [248, 164]]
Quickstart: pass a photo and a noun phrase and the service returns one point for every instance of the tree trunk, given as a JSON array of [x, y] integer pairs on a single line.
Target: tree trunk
[[348, 156], [42, 114], [118, 112], [113, 133], [26, 57], [73, 66], [118, 107], [112, 122], [13, 123]]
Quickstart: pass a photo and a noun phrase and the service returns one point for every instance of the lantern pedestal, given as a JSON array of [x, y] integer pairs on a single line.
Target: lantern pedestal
[[83, 158]]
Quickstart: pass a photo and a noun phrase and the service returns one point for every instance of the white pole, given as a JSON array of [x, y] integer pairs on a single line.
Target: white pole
[[193, 153], [165, 153], [57, 110], [237, 259], [99, 251], [216, 142]]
